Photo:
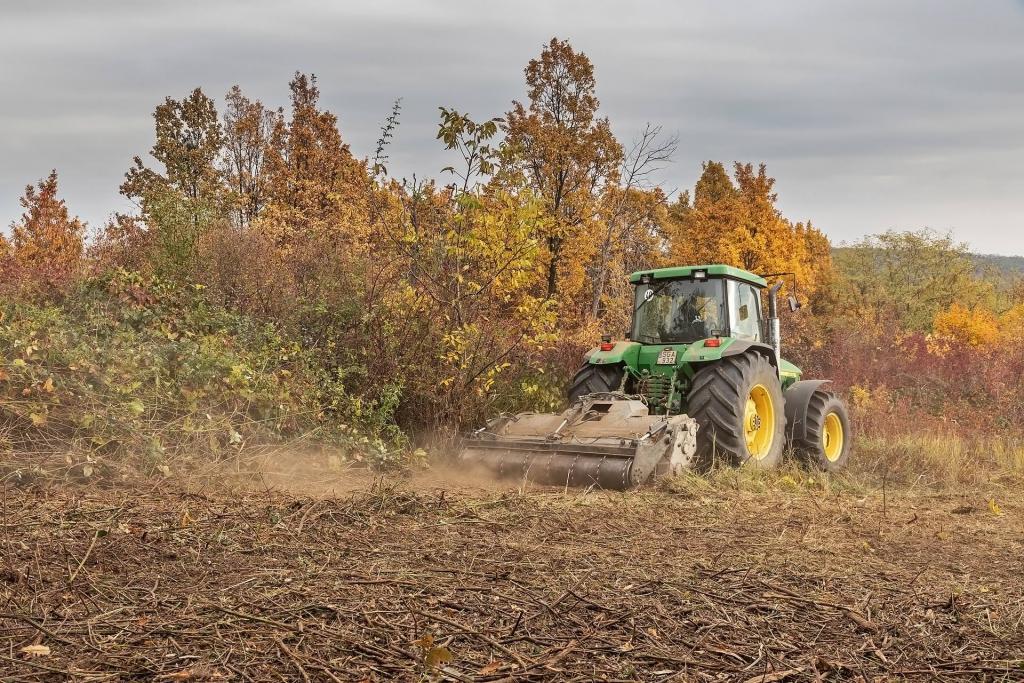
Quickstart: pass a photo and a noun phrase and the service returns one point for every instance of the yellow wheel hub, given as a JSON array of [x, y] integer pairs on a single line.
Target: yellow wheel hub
[[832, 437], [759, 422]]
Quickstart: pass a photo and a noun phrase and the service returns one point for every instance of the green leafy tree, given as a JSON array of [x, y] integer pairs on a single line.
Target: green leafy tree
[[183, 199], [911, 276], [473, 141]]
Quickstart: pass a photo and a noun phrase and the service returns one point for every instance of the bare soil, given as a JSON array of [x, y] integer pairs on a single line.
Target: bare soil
[[349, 577]]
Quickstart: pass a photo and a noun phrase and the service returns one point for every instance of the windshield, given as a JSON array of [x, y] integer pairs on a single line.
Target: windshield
[[678, 311]]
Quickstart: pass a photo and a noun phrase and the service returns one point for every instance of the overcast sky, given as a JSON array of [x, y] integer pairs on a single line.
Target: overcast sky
[[871, 114]]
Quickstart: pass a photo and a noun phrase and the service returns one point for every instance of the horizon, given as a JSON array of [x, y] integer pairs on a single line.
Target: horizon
[[870, 117]]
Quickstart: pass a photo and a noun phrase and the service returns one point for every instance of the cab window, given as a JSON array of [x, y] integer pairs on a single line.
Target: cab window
[[744, 311], [678, 311]]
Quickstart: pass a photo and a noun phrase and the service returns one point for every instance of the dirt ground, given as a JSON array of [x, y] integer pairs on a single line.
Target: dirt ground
[[346, 577]]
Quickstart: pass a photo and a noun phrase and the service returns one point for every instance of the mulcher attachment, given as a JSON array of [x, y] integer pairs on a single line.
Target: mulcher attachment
[[610, 441]]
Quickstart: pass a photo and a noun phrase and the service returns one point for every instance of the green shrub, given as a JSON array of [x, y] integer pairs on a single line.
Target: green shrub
[[127, 366]]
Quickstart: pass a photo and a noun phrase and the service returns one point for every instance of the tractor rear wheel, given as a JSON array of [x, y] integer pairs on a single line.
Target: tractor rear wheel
[[827, 437], [593, 379], [738, 404]]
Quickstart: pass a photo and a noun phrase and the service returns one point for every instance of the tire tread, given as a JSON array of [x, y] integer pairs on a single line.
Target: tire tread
[[715, 402], [809, 444], [592, 379]]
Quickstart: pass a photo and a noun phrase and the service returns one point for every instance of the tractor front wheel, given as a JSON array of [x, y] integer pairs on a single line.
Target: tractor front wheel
[[738, 404], [594, 379]]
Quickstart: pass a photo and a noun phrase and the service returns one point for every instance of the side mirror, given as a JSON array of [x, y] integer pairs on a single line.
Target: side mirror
[[794, 305]]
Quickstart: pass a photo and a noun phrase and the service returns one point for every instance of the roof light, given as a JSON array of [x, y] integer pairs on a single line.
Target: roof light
[[700, 275]]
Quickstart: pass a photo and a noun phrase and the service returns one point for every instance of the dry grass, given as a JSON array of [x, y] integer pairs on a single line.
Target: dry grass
[[738, 576], [940, 460]]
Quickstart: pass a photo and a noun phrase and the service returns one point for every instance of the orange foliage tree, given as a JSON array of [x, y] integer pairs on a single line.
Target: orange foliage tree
[[737, 223], [46, 244], [565, 154], [315, 187]]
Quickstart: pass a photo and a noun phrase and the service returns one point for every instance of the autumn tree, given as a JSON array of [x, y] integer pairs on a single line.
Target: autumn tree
[[124, 242], [977, 326], [454, 281], [315, 187], [818, 268], [188, 144], [46, 244], [248, 127], [631, 218], [708, 227], [568, 156], [1011, 322], [734, 220], [186, 197]]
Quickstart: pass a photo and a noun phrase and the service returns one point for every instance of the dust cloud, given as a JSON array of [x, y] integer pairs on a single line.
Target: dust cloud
[[322, 474]]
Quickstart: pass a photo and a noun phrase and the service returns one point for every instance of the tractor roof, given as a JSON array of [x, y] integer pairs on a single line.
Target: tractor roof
[[714, 270]]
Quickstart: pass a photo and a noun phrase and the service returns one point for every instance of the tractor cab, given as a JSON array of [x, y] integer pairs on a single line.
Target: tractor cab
[[688, 304], [686, 318]]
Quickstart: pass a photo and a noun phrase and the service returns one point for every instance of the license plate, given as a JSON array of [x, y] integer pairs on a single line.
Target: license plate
[[667, 357]]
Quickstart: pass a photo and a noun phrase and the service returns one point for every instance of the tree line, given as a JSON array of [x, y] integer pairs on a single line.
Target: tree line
[[447, 298]]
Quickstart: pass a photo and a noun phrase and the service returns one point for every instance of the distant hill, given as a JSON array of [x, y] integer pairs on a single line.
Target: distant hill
[[1008, 265]]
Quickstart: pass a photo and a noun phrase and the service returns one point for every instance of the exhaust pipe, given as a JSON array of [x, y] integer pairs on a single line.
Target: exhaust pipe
[[774, 330]]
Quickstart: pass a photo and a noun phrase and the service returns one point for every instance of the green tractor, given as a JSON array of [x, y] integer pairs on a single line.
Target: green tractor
[[699, 380]]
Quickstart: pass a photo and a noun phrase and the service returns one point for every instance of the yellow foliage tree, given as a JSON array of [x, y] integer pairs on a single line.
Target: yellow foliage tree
[[567, 155], [976, 326], [1011, 323]]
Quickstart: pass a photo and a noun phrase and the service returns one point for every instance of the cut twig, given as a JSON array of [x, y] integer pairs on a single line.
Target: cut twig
[[85, 557]]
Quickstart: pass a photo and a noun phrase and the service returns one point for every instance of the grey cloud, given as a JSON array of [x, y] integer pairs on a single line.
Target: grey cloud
[[871, 114]]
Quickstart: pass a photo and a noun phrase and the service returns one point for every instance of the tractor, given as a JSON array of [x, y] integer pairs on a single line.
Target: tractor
[[699, 380]]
